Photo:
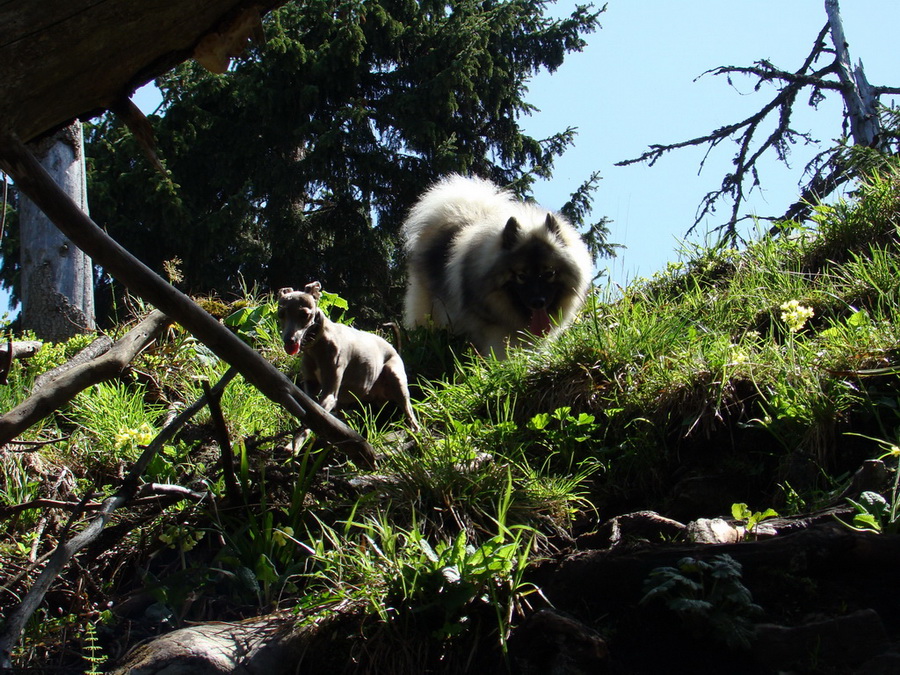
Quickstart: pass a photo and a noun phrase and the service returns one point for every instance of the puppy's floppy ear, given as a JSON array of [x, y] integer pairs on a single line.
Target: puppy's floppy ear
[[284, 291], [510, 233], [314, 288], [552, 225]]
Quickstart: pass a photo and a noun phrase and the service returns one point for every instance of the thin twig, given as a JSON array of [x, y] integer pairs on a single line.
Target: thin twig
[[218, 419], [33, 446]]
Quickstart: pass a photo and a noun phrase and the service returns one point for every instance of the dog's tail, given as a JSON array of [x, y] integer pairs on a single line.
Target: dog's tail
[[398, 336]]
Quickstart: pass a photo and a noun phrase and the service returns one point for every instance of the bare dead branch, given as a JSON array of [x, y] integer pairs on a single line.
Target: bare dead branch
[[21, 349], [34, 446], [66, 386], [12, 350], [44, 503], [151, 491], [148, 493], [97, 348], [860, 100], [218, 419]]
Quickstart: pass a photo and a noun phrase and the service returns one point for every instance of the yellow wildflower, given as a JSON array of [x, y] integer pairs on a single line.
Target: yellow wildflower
[[795, 315]]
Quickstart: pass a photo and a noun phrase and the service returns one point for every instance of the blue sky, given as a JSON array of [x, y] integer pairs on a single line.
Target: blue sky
[[634, 85]]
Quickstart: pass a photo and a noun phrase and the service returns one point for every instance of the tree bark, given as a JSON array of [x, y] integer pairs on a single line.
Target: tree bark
[[858, 96], [57, 277]]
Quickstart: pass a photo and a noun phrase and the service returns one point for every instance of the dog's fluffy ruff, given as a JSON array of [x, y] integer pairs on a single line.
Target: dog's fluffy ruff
[[461, 268]]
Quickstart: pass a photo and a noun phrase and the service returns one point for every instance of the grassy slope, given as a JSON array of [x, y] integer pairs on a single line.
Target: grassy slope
[[692, 391]]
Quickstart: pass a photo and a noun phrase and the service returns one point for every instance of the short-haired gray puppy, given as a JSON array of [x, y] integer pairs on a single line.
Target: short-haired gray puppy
[[345, 362]]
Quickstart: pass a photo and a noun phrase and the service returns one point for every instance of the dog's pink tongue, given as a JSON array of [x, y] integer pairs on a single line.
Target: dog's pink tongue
[[291, 347], [540, 323]]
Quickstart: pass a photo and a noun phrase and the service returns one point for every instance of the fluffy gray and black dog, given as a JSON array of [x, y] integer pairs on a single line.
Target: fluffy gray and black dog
[[491, 268]]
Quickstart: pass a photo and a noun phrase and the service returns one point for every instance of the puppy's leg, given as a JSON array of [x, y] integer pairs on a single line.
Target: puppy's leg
[[396, 390], [311, 388], [410, 414], [299, 440], [329, 400], [331, 385]]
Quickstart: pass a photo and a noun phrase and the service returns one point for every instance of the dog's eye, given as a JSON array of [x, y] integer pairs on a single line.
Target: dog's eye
[[520, 277], [549, 274]]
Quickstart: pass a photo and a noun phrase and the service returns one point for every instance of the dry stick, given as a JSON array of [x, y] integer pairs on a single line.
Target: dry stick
[[16, 350], [218, 419], [152, 490], [7, 362], [31, 178], [64, 552], [23, 349], [34, 446], [98, 347], [43, 503], [64, 388]]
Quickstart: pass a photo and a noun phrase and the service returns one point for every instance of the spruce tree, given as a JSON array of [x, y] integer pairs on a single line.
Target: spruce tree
[[299, 163]]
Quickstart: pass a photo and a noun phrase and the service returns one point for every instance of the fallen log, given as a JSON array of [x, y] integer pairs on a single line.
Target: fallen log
[[267, 645]]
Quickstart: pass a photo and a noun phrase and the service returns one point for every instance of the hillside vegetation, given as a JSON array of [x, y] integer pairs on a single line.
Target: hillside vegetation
[[740, 384]]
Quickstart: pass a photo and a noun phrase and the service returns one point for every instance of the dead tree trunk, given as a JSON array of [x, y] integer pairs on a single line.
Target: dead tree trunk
[[57, 278], [858, 94]]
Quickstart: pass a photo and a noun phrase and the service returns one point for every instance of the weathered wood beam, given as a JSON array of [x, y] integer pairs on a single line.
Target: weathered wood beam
[[67, 59], [18, 162]]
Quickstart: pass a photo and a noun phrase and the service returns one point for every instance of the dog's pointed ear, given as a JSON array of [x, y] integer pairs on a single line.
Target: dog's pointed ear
[[552, 225], [284, 291], [510, 234], [314, 288]]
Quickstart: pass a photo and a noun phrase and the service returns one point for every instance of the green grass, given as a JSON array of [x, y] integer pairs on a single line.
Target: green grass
[[776, 364]]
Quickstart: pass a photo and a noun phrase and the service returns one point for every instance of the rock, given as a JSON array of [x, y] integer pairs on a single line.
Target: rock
[[713, 531], [549, 643], [835, 642]]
